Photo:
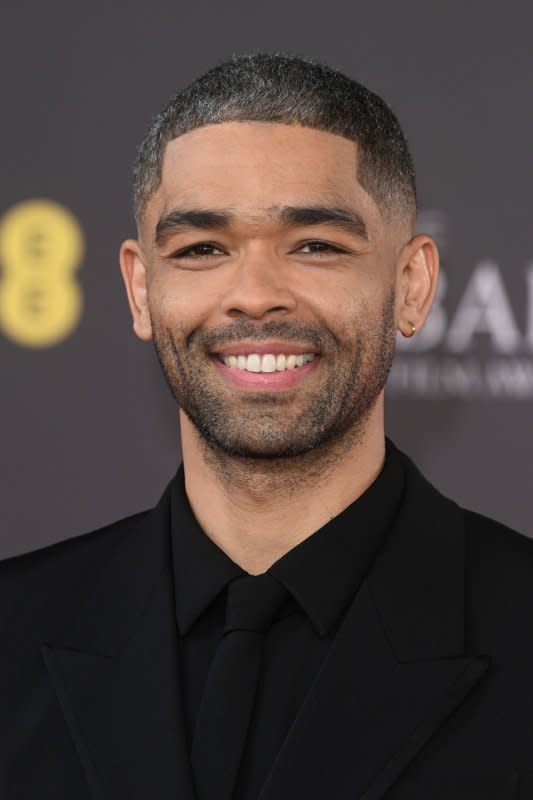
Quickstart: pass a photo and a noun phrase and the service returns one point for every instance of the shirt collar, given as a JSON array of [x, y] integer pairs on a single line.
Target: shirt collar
[[322, 573]]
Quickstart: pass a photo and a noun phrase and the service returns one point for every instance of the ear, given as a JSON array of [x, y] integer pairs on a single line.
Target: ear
[[417, 273], [134, 273]]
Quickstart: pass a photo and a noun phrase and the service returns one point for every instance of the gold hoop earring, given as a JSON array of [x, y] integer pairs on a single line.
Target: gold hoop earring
[[413, 331]]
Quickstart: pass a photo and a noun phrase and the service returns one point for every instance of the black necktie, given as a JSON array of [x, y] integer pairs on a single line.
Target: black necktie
[[228, 697]]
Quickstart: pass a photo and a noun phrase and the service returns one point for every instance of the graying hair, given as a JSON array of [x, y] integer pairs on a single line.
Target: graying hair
[[288, 89]]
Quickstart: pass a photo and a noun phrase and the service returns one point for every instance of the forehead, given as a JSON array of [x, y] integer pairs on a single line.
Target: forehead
[[251, 166]]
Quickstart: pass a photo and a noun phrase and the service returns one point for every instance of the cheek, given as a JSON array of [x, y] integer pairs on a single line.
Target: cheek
[[341, 301], [177, 304]]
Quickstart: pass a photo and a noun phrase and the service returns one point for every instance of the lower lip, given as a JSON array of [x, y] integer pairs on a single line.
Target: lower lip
[[266, 380]]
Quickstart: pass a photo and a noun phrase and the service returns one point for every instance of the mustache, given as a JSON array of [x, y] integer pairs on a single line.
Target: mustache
[[290, 332]]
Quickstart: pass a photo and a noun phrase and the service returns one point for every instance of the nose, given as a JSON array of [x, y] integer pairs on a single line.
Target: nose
[[259, 286]]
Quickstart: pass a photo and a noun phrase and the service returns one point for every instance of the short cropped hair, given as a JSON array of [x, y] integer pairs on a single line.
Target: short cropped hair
[[287, 89]]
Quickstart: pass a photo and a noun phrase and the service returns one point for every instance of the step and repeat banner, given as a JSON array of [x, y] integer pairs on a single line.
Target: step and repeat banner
[[88, 429]]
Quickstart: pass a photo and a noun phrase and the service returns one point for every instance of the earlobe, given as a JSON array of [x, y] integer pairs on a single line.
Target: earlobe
[[407, 329], [134, 274], [418, 274]]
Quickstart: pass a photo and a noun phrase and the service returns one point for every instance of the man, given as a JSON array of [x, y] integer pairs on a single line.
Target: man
[[302, 615]]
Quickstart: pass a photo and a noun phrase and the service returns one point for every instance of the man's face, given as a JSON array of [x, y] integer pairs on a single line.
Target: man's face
[[267, 280]]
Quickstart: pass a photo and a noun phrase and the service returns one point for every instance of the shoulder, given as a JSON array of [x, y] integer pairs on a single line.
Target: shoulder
[[486, 538], [51, 581], [499, 571], [84, 545], [486, 535], [492, 551], [495, 560]]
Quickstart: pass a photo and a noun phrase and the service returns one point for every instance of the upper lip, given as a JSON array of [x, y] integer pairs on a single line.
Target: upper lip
[[275, 348]]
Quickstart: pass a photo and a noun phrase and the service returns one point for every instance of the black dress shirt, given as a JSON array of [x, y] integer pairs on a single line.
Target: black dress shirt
[[322, 575]]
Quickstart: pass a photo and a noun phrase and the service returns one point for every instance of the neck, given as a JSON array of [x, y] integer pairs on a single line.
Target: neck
[[256, 510]]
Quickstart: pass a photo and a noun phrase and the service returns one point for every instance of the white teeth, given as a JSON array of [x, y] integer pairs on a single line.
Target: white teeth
[[253, 363], [268, 362]]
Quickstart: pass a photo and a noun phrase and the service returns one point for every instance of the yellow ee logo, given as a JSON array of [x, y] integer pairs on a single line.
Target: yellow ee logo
[[41, 246]]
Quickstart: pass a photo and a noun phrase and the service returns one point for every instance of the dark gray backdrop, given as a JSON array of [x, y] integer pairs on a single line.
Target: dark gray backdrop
[[88, 429]]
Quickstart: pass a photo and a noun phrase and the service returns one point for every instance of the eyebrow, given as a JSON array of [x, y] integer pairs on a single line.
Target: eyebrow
[[222, 219]]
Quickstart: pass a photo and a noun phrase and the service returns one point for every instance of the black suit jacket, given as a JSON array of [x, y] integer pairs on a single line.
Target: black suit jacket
[[426, 692]]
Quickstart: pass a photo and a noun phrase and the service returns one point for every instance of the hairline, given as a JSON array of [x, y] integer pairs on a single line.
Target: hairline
[[408, 210]]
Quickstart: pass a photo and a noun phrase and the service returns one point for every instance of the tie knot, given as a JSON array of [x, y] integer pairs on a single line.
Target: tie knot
[[252, 602]]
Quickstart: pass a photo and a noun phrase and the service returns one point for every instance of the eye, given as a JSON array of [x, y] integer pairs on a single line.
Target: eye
[[320, 248], [204, 250], [197, 251]]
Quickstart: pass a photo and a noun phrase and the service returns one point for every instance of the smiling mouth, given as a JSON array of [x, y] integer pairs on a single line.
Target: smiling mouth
[[267, 362], [260, 371]]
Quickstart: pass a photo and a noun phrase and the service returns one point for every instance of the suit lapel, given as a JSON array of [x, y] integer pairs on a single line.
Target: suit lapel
[[116, 674], [395, 671], [397, 668]]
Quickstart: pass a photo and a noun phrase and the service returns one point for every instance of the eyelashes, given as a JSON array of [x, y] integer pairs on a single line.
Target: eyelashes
[[189, 252], [192, 251]]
